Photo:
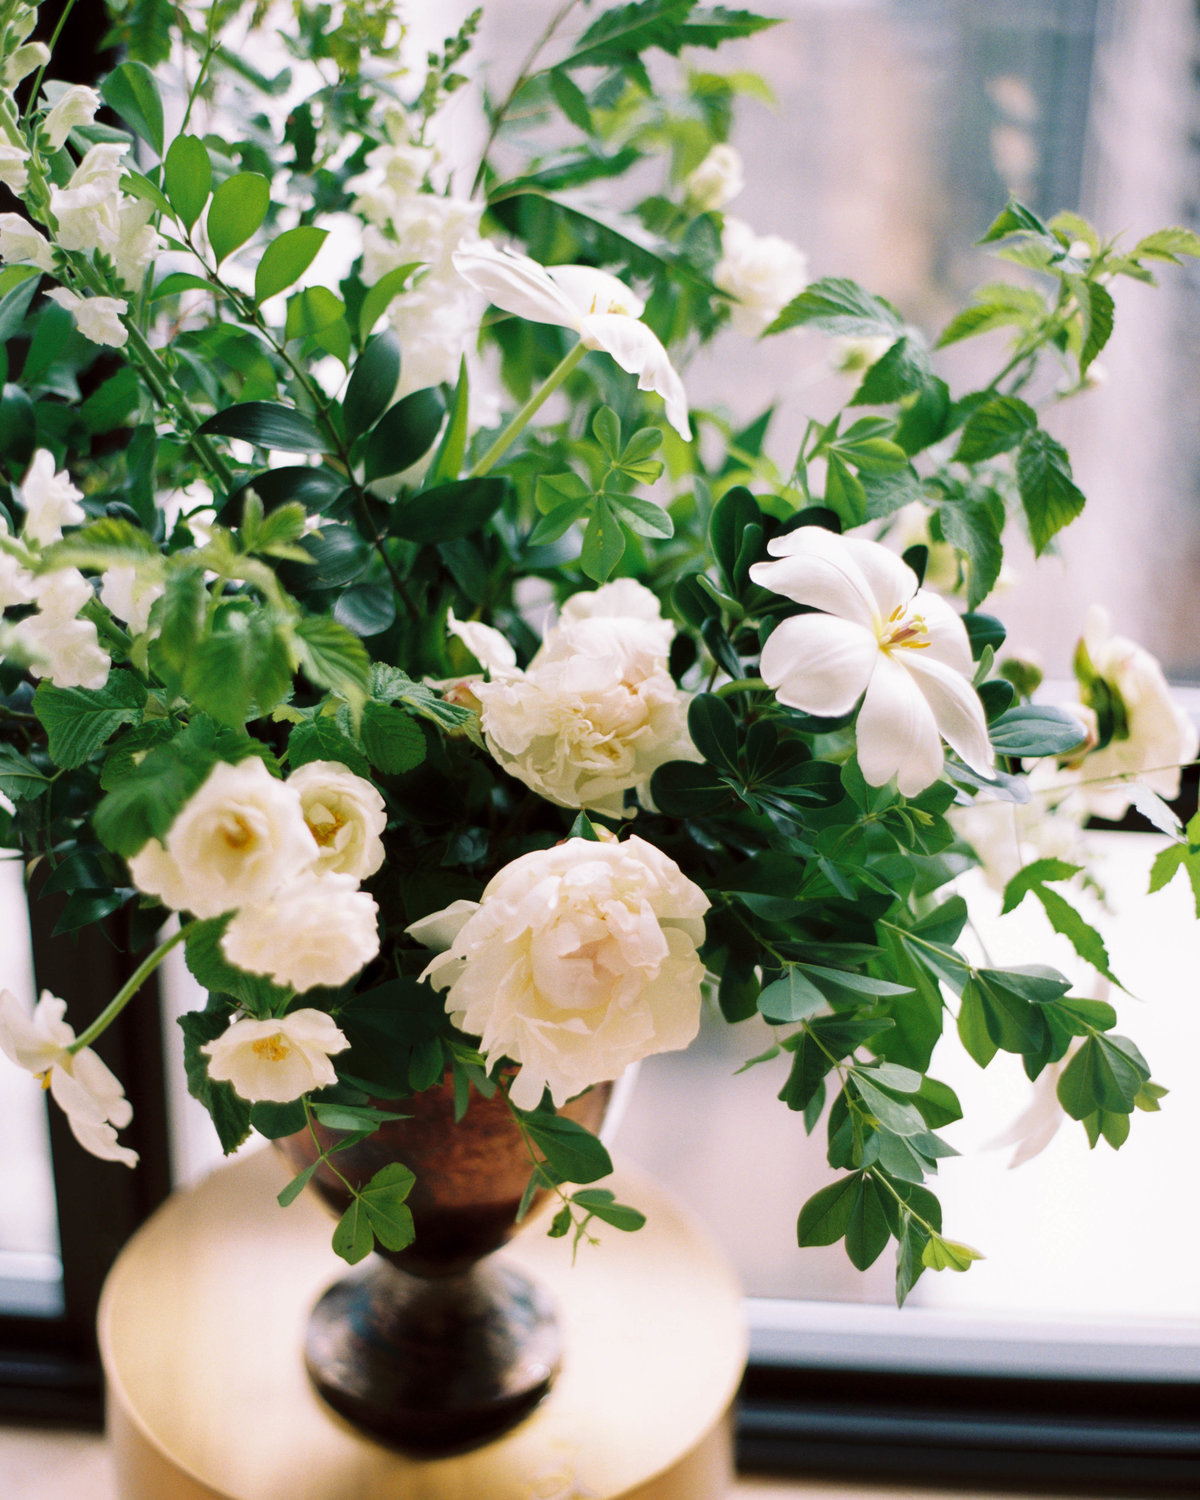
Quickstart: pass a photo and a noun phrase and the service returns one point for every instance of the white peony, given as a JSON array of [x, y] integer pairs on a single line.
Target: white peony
[[276, 1060], [75, 106], [130, 594], [315, 930], [63, 648], [98, 318], [237, 840], [577, 961], [761, 272], [596, 712], [879, 637], [80, 1083], [716, 181], [345, 815], [50, 500], [21, 242], [1153, 736]]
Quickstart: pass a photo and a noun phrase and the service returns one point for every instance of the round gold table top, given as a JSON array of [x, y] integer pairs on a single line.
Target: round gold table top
[[202, 1330]]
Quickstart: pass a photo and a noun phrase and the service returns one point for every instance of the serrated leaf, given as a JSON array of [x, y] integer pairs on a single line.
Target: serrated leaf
[[79, 720], [392, 738], [1097, 310], [838, 305], [994, 428], [1049, 495], [332, 657], [901, 370]]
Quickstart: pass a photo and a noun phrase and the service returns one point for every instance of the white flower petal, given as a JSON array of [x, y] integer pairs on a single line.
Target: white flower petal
[[819, 664], [897, 733], [516, 284], [638, 351], [956, 708], [819, 568], [946, 633], [594, 291], [439, 929], [490, 649]]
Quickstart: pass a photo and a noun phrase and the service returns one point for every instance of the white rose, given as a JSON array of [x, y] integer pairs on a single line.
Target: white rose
[[277, 1060], [316, 930], [238, 839], [75, 106], [87, 209], [716, 181], [761, 272], [98, 318], [13, 172], [596, 712], [346, 816], [1157, 736], [20, 241], [62, 648], [130, 594], [80, 1083], [50, 500], [577, 961]]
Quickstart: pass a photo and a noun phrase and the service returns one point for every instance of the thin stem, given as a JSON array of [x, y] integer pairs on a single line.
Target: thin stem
[[53, 42], [128, 990], [526, 413], [741, 685], [210, 47], [522, 78]]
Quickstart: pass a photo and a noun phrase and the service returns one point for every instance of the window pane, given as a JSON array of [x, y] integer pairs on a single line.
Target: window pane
[[30, 1269]]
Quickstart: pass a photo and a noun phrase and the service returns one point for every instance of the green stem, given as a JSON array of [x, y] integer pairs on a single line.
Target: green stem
[[128, 990], [522, 419], [741, 685], [53, 42], [210, 47]]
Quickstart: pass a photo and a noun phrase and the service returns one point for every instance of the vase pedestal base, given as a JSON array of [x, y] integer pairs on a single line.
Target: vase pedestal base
[[202, 1332], [433, 1366]]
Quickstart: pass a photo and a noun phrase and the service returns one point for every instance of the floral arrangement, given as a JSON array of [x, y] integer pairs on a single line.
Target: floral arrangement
[[373, 600]]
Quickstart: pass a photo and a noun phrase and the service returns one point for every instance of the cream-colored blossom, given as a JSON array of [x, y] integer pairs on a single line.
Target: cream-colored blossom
[[315, 930], [14, 171], [716, 181], [276, 1060], [75, 106], [597, 711], [80, 1083], [875, 635], [16, 582], [577, 961], [235, 842], [138, 242], [603, 311], [345, 815], [761, 272], [51, 501], [61, 647], [87, 210], [23, 60], [130, 592], [21, 243], [98, 318]]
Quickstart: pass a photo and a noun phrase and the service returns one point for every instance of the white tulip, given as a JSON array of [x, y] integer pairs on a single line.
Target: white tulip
[[599, 308], [878, 635]]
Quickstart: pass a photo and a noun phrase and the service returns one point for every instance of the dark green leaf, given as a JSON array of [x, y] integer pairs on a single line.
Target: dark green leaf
[[267, 424], [372, 384], [994, 428], [572, 1153], [1036, 729], [867, 1232], [80, 720], [392, 738], [1048, 493], [131, 90], [461, 508], [404, 433], [825, 1217], [900, 371]]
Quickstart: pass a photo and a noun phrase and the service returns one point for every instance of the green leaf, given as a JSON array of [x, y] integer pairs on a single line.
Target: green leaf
[[994, 428], [331, 657], [453, 447], [1167, 244], [380, 297], [1167, 864], [321, 739], [975, 525], [461, 508], [601, 1204], [292, 1191], [16, 293], [733, 514], [113, 403], [898, 372], [238, 207], [1016, 219], [1048, 493], [572, 1153], [571, 99], [840, 306], [230, 1114], [132, 91], [642, 516], [1097, 309], [312, 312], [392, 738], [20, 779], [1036, 729], [606, 429], [867, 1232], [972, 1026], [80, 720], [353, 1237], [825, 1217], [372, 384], [404, 433], [179, 281], [714, 730], [367, 609], [1102, 1075], [844, 492], [187, 177], [684, 789], [285, 260], [266, 424], [948, 1255], [793, 998], [603, 543], [389, 1216]]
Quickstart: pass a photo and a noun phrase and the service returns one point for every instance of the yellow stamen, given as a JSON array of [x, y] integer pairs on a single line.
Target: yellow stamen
[[271, 1048]]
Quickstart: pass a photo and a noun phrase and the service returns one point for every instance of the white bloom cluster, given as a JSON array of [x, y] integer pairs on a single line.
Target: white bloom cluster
[[80, 1083], [436, 320], [716, 181], [577, 961], [761, 272], [596, 712], [286, 857]]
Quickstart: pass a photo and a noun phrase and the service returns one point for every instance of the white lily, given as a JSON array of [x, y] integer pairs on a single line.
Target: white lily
[[80, 1083], [880, 637], [599, 308]]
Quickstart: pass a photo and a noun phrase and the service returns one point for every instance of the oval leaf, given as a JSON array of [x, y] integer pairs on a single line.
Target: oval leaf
[[372, 384], [286, 259], [238, 207], [404, 433], [266, 424], [453, 510], [187, 177], [133, 93]]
